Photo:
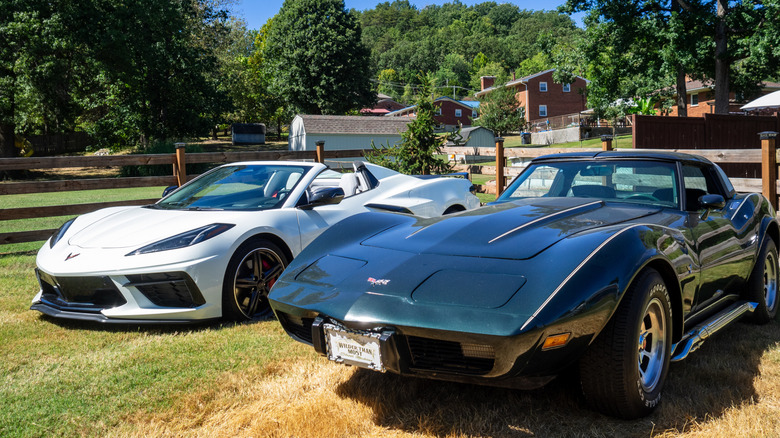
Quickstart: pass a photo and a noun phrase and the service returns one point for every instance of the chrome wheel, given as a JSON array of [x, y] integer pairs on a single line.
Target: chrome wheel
[[770, 281], [255, 275], [652, 345]]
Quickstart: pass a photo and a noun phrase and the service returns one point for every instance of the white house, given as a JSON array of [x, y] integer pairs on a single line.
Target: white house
[[345, 132], [475, 137]]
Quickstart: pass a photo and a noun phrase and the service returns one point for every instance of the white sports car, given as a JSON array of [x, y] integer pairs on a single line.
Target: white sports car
[[214, 247]]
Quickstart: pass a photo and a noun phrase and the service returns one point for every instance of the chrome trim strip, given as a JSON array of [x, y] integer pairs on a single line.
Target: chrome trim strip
[[575, 270], [696, 337], [543, 218]]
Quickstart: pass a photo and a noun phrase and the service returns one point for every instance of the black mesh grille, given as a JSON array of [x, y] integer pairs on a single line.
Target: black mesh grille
[[447, 356], [168, 289], [83, 294], [299, 327]]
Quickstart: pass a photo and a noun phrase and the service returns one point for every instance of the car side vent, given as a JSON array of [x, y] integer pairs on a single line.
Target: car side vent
[[453, 357], [168, 289], [296, 326]]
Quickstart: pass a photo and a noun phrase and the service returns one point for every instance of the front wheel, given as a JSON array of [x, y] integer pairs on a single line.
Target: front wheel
[[251, 272], [763, 282], [624, 370]]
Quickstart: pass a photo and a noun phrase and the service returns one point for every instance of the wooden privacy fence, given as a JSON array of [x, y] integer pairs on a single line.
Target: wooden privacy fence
[[766, 156], [177, 177]]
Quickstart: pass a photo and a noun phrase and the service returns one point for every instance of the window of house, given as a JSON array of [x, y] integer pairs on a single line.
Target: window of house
[[694, 100], [542, 110], [473, 114], [458, 113], [438, 111], [543, 87], [566, 88]]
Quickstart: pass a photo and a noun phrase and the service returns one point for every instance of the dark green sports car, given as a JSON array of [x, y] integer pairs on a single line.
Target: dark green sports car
[[614, 262]]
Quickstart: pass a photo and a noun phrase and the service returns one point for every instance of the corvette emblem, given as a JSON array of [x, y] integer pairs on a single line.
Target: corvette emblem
[[71, 255], [375, 282]]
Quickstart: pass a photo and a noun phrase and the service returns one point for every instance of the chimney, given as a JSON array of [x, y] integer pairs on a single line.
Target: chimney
[[513, 75], [487, 81]]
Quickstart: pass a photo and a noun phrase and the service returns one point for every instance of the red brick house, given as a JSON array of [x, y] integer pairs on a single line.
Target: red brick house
[[541, 96], [385, 104], [449, 112], [701, 98]]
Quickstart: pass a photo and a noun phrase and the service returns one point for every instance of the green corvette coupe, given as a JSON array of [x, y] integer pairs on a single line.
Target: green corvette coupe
[[613, 262]]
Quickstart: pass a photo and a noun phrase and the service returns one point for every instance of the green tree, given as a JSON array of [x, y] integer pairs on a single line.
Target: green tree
[[500, 112], [320, 64], [389, 83], [417, 153]]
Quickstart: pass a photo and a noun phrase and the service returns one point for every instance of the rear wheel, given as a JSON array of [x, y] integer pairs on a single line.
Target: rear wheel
[[763, 283], [251, 272], [624, 370]]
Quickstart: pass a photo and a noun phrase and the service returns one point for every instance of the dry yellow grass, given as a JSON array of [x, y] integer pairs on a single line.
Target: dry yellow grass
[[730, 388]]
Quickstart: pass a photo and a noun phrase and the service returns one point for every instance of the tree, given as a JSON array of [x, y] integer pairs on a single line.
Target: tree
[[320, 64], [499, 112], [416, 155]]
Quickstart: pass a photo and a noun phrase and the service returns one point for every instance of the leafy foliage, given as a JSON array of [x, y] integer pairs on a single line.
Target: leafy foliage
[[319, 64], [499, 112], [417, 153]]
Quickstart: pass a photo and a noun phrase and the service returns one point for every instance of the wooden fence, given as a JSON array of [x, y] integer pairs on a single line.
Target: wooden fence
[[177, 177], [766, 156]]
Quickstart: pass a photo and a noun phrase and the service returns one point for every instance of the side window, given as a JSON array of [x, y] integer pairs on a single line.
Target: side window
[[542, 110], [458, 113], [566, 88], [698, 181], [543, 87]]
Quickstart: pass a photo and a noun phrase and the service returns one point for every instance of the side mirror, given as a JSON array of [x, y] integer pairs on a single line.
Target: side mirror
[[711, 202], [168, 190], [324, 196]]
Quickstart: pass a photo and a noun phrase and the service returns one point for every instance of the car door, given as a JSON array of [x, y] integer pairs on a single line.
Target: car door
[[721, 247]]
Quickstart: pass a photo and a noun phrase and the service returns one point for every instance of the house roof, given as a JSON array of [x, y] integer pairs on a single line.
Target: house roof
[[466, 104], [318, 124], [466, 133], [695, 86], [520, 81]]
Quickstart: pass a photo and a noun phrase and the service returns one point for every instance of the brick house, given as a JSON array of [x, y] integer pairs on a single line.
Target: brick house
[[541, 96], [701, 98], [385, 104], [448, 112]]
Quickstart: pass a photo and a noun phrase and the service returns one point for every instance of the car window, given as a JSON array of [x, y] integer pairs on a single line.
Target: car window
[[237, 187], [640, 182], [699, 181]]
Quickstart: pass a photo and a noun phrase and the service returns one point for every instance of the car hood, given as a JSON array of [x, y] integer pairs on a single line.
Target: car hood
[[131, 227], [515, 230]]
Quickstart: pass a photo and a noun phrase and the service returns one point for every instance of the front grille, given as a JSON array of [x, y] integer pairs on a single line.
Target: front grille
[[82, 294], [447, 356], [168, 289], [296, 326]]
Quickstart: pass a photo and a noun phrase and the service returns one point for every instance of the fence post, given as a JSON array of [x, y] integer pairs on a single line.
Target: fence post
[[769, 166], [320, 151], [499, 166], [179, 166], [606, 143]]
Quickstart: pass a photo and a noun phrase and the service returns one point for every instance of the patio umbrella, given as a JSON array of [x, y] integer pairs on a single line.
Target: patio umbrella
[[771, 100]]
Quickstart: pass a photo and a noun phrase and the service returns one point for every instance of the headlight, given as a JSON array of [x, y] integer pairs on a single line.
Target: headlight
[[61, 232], [184, 240]]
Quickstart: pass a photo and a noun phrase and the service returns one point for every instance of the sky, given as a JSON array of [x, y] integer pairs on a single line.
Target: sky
[[257, 12]]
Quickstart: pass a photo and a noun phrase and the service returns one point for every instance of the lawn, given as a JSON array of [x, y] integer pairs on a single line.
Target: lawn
[[220, 379]]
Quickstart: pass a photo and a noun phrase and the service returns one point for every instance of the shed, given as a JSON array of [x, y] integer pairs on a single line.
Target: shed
[[475, 137], [345, 132], [248, 133]]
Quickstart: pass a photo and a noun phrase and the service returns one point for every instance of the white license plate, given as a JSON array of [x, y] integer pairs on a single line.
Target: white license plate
[[353, 348]]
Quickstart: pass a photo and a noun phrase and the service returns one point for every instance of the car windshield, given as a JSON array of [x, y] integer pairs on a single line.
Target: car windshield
[[639, 182], [236, 187]]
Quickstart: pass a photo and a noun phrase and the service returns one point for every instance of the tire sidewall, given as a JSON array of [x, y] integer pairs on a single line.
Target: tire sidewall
[[762, 314], [230, 308], [647, 400]]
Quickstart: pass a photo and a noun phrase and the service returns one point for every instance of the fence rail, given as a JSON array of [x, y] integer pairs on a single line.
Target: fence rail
[[176, 161]]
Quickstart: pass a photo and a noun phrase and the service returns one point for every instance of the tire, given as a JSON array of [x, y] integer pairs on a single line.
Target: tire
[[763, 284], [245, 288], [623, 372]]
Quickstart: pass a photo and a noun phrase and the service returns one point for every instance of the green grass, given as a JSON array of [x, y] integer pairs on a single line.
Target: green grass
[[68, 379], [621, 141]]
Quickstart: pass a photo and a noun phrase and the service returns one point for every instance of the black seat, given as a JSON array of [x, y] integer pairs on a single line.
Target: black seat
[[593, 191]]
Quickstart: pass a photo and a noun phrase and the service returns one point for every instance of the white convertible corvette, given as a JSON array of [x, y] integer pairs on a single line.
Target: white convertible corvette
[[215, 246]]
